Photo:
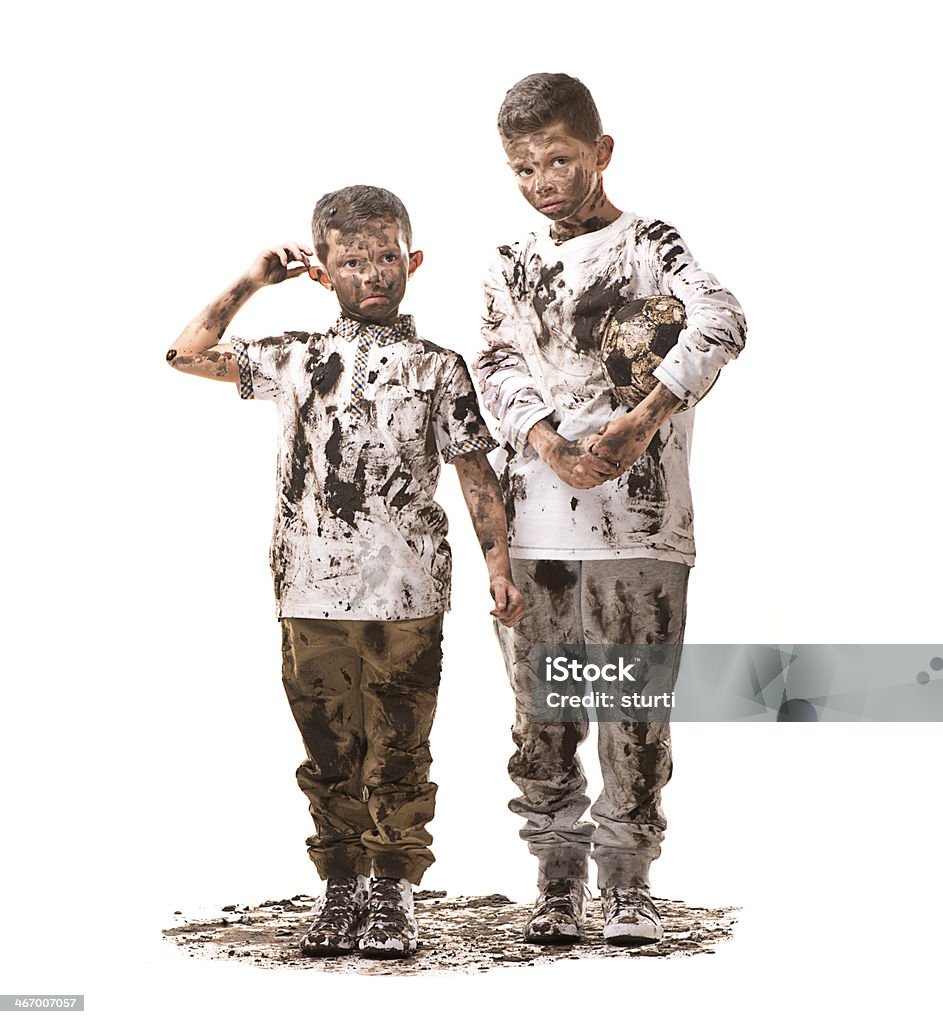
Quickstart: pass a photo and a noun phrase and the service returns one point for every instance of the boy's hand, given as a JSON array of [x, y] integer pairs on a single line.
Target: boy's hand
[[272, 266], [581, 465], [574, 462], [508, 601], [623, 439]]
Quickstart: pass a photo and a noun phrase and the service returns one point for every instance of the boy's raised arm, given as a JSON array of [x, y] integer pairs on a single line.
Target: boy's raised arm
[[198, 349], [482, 495]]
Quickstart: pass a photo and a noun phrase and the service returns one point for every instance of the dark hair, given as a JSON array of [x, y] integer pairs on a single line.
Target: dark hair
[[352, 207], [539, 100]]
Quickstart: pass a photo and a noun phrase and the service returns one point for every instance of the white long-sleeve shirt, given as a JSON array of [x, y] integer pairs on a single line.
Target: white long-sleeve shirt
[[546, 306]]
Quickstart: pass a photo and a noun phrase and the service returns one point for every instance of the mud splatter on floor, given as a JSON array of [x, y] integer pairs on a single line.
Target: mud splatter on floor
[[464, 933]]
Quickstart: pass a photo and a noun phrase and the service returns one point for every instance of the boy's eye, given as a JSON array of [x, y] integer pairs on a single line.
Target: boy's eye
[[559, 161], [524, 172], [389, 258], [351, 264]]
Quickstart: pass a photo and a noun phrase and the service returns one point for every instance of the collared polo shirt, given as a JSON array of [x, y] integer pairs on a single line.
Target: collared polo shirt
[[367, 414]]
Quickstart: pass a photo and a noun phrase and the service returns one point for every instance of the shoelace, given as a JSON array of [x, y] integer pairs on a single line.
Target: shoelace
[[557, 895], [621, 898], [338, 903], [386, 902]]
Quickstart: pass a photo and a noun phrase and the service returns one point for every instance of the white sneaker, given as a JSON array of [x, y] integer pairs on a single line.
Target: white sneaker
[[390, 931], [630, 915], [338, 917], [559, 912]]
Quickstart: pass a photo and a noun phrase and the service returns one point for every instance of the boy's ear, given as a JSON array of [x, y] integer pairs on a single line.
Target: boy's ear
[[604, 150], [320, 275], [415, 261]]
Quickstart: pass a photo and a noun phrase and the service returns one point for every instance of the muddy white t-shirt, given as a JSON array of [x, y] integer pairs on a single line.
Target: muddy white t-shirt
[[546, 307], [367, 413]]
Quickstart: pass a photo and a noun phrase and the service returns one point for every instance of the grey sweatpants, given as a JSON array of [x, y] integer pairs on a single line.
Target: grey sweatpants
[[611, 601]]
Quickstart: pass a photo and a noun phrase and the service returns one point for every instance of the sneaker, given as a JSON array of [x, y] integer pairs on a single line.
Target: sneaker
[[338, 917], [390, 931], [631, 917], [559, 912]]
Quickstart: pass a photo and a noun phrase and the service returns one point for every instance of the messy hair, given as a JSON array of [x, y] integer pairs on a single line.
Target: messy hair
[[539, 100], [352, 207]]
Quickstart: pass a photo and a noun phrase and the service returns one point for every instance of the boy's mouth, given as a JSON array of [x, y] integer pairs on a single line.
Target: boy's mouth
[[552, 206]]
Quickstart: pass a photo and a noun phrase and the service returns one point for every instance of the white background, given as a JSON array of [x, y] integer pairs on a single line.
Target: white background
[[147, 750]]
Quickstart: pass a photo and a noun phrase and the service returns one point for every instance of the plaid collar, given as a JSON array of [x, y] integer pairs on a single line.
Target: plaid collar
[[402, 330]]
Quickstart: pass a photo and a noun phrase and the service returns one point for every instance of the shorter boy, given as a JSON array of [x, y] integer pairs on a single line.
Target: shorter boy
[[359, 556]]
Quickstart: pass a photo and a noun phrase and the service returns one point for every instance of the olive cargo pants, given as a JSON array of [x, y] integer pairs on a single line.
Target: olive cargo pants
[[609, 601], [363, 695]]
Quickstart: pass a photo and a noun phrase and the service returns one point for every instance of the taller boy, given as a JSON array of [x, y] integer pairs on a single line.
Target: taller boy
[[597, 495]]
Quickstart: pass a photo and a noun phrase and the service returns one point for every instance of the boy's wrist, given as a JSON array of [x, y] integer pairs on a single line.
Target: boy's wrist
[[504, 573], [247, 285], [544, 439]]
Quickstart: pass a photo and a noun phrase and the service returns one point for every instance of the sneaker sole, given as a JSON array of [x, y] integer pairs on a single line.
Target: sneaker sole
[[372, 953], [553, 940], [322, 951], [632, 940]]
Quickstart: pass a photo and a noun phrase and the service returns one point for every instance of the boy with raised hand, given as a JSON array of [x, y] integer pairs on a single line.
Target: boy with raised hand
[[597, 494], [359, 556]]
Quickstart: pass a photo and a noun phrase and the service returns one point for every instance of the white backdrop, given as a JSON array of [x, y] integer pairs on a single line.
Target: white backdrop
[[148, 753]]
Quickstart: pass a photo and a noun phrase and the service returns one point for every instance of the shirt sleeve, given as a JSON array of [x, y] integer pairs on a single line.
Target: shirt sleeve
[[715, 330], [457, 421], [259, 363], [508, 390]]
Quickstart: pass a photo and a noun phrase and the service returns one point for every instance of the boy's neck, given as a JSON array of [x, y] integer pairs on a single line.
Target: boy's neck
[[387, 321], [594, 215]]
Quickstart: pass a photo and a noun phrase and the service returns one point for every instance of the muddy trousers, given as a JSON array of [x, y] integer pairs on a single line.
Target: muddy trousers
[[611, 601], [363, 695]]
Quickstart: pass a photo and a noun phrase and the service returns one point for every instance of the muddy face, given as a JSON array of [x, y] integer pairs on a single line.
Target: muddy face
[[557, 174], [368, 268]]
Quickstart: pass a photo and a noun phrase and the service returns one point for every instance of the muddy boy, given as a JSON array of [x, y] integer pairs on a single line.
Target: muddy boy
[[598, 499], [368, 412]]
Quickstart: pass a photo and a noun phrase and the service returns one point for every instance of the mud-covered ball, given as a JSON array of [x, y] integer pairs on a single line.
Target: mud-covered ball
[[638, 336]]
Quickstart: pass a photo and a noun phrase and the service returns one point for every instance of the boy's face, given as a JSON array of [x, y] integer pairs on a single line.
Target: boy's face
[[368, 267], [557, 173]]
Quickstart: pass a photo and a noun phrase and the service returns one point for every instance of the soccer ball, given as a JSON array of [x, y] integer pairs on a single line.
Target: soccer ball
[[636, 339]]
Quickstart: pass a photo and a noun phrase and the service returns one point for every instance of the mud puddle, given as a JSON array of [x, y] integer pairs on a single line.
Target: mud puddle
[[461, 933]]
